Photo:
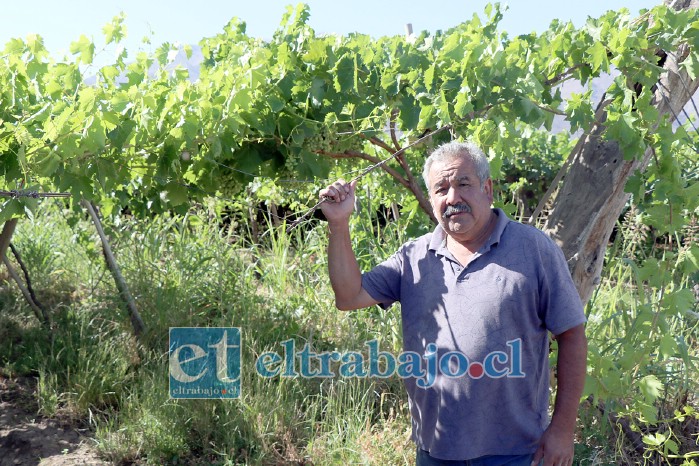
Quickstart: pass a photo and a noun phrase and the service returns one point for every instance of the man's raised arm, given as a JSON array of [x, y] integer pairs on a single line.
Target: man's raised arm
[[345, 276]]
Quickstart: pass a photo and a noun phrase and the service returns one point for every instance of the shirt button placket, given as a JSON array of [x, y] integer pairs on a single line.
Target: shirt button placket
[[461, 276]]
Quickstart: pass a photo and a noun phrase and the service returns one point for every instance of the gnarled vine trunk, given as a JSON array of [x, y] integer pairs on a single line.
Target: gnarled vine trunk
[[592, 196]]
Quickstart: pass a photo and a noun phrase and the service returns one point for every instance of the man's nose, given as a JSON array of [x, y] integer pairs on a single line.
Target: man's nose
[[452, 196]]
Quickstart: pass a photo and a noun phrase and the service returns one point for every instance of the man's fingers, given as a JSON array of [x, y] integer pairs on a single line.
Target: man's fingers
[[335, 194], [342, 189], [553, 461], [338, 191], [538, 455]]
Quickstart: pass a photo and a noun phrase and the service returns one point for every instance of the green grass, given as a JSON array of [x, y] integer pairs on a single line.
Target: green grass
[[186, 271]]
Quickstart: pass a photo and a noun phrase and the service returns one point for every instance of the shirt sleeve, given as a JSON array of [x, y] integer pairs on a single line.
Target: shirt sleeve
[[561, 308], [383, 282]]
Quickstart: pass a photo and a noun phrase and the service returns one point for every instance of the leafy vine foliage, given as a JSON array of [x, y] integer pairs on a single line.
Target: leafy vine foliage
[[143, 133]]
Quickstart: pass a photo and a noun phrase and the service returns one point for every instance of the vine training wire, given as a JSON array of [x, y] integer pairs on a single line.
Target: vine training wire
[[16, 193]]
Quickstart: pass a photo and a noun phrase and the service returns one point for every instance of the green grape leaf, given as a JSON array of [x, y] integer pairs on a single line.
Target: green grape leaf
[[668, 347], [48, 164], [463, 106], [345, 74], [121, 134], [85, 47], [116, 30], [688, 259], [175, 193], [11, 208], [409, 112], [691, 65], [679, 301], [651, 388], [598, 57]]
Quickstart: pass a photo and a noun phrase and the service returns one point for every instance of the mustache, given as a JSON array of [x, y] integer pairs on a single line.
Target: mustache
[[456, 209]]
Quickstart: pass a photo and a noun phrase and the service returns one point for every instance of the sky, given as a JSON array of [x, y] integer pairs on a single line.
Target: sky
[[60, 22]]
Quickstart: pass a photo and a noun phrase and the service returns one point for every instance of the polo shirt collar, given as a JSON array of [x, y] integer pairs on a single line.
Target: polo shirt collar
[[438, 242]]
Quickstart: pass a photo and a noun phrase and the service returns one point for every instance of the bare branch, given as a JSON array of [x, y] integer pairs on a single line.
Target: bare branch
[[27, 296], [351, 154], [379, 143], [46, 320], [6, 236], [424, 203], [563, 76], [549, 109]]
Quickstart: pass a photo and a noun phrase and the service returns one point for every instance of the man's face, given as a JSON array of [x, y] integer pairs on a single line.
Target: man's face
[[458, 200]]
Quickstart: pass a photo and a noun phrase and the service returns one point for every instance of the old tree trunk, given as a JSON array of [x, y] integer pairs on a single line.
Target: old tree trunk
[[591, 196]]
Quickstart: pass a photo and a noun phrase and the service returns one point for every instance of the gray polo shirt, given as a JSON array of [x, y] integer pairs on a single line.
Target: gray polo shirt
[[490, 394]]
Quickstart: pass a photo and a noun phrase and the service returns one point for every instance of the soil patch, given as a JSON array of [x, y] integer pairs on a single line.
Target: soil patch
[[28, 439]]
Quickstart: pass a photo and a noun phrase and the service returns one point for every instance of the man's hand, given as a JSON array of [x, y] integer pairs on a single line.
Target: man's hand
[[555, 448], [556, 445], [345, 276], [340, 202]]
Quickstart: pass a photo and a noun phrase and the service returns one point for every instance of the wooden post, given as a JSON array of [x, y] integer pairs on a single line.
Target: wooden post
[[113, 267]]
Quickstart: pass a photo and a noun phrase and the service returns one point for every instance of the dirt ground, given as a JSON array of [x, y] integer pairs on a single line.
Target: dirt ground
[[29, 439]]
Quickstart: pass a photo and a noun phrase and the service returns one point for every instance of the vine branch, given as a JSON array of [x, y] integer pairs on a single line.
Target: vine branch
[[46, 320], [27, 296], [564, 75], [349, 154], [392, 127], [371, 168], [379, 143]]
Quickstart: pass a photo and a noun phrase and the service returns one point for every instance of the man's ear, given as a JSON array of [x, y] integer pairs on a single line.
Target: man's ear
[[488, 189]]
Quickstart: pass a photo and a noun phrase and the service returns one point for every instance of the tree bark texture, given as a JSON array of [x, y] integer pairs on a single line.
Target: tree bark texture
[[8, 230], [592, 196]]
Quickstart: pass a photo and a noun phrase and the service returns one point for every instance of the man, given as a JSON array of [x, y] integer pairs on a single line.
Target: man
[[486, 291]]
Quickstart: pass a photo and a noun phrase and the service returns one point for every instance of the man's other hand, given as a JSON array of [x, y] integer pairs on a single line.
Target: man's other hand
[[555, 448]]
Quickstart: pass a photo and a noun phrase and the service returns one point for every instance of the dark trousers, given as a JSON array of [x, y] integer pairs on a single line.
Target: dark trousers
[[423, 458]]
